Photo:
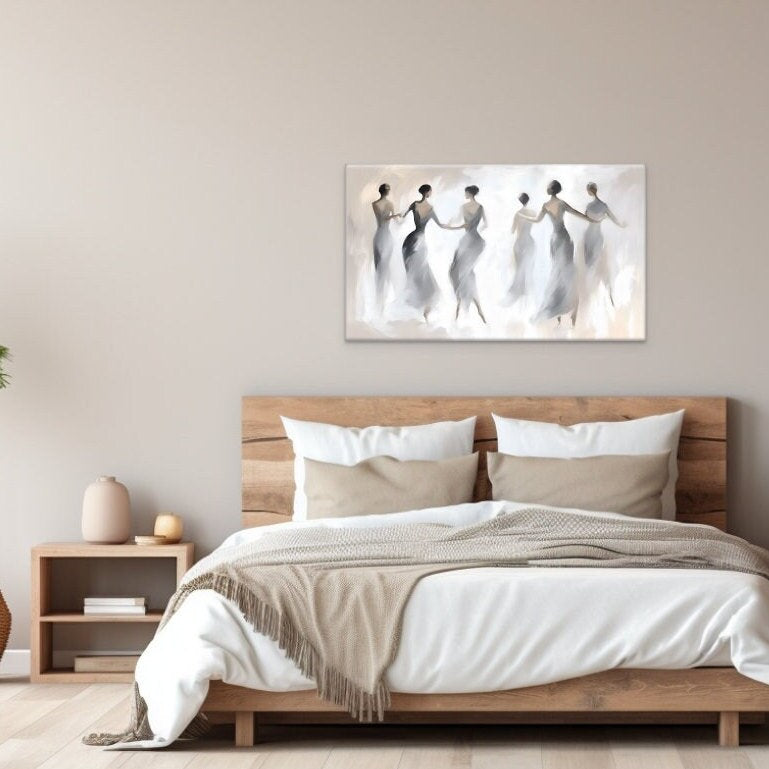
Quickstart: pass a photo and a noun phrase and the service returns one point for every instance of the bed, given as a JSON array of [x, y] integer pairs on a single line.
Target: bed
[[267, 497]]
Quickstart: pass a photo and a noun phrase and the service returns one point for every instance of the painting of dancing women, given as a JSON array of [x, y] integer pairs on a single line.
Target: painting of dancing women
[[496, 252]]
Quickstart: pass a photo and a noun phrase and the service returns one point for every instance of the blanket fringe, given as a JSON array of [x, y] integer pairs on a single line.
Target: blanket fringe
[[332, 685], [139, 729]]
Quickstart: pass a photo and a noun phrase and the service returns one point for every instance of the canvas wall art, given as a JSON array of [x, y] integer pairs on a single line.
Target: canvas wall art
[[505, 252]]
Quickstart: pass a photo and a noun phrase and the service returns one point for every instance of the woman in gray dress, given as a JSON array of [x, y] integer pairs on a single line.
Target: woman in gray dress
[[561, 294], [421, 286], [462, 270], [596, 262], [523, 251], [384, 212]]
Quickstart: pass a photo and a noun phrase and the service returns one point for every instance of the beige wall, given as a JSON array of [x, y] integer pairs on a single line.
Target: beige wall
[[171, 222]]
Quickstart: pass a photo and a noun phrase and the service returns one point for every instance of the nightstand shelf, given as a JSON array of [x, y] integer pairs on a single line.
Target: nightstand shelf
[[47, 613], [150, 616], [69, 676]]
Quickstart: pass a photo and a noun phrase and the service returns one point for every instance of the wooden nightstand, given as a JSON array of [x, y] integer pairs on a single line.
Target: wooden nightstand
[[46, 614]]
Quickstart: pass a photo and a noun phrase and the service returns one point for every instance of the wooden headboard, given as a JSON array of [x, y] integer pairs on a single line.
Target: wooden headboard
[[268, 472]]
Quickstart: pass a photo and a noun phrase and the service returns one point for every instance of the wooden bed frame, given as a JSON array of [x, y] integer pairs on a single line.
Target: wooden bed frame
[[268, 486]]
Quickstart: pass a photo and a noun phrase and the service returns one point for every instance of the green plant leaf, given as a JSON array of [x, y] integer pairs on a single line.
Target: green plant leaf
[[4, 377]]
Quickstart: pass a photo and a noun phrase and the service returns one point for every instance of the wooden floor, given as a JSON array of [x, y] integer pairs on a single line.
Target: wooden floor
[[41, 726]]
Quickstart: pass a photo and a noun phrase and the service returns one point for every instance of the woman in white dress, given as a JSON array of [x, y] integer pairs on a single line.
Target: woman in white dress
[[384, 212], [469, 250], [523, 251], [596, 259], [561, 294], [421, 286]]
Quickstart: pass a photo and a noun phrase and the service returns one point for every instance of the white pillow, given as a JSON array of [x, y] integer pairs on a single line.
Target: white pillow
[[350, 445], [648, 435]]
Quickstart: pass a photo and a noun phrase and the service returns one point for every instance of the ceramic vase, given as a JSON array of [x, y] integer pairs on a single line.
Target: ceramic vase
[[106, 512]]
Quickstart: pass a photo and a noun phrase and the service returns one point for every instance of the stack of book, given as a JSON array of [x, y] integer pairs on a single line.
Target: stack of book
[[114, 605]]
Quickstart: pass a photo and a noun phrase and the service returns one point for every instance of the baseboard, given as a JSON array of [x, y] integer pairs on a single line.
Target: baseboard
[[15, 662]]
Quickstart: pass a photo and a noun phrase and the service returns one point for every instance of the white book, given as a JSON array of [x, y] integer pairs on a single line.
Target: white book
[[113, 601], [114, 610]]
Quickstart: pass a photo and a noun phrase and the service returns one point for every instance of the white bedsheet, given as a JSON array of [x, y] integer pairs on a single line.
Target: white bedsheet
[[482, 630]]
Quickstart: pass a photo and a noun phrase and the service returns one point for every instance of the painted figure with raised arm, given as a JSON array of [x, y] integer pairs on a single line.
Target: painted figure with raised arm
[[596, 259], [471, 245], [561, 294], [421, 286], [384, 211], [523, 251]]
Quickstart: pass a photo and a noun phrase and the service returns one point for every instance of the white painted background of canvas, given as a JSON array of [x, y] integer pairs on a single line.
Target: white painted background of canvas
[[621, 186]]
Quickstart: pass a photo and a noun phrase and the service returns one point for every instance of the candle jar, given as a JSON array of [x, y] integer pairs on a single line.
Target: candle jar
[[169, 526]]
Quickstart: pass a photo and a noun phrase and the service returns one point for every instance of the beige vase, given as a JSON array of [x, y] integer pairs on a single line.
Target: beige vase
[[169, 526], [106, 512]]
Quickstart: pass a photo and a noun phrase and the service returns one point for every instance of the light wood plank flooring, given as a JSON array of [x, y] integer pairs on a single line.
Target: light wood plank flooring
[[42, 725]]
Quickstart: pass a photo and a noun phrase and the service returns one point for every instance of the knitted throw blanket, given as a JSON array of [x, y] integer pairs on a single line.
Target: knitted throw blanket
[[333, 598]]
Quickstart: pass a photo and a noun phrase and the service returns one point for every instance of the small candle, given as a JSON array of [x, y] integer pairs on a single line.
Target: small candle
[[169, 526]]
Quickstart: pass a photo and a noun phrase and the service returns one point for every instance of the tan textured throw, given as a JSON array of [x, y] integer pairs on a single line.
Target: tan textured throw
[[301, 586]]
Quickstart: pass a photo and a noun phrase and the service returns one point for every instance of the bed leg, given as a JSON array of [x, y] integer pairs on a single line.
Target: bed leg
[[729, 729], [244, 729]]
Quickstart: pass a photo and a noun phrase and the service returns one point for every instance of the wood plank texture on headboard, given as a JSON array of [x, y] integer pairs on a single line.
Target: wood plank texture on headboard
[[267, 457]]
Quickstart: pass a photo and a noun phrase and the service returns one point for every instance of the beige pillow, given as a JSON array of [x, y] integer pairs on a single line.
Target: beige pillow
[[387, 485], [617, 483]]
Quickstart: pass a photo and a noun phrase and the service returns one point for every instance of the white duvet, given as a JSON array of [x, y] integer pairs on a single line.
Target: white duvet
[[480, 629]]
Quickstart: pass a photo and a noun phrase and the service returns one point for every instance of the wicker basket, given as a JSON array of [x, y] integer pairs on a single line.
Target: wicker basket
[[5, 624]]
